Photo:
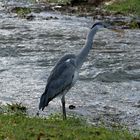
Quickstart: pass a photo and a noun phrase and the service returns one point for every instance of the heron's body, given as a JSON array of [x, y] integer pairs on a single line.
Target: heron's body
[[61, 79], [66, 71]]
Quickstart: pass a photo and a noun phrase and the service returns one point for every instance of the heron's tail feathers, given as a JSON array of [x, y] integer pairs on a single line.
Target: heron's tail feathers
[[44, 100]]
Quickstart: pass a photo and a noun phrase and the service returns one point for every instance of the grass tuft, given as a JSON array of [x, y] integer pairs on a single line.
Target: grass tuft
[[21, 11], [125, 7]]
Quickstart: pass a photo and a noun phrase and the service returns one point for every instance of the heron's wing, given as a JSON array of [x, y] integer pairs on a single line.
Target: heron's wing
[[59, 67], [66, 57], [61, 79]]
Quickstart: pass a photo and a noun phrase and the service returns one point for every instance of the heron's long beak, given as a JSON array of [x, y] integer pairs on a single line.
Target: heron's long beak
[[119, 31], [116, 30]]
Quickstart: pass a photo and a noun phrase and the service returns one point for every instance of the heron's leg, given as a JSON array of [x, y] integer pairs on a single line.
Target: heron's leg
[[63, 107]]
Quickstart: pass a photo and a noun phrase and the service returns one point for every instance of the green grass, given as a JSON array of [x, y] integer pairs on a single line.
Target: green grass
[[21, 11], [15, 125], [21, 127], [125, 7]]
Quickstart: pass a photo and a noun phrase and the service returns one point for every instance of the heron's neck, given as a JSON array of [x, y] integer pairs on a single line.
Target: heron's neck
[[85, 50]]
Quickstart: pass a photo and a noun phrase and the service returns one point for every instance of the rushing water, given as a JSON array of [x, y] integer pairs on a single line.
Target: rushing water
[[109, 85]]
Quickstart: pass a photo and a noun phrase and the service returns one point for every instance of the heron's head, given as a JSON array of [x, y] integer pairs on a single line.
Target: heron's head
[[99, 25]]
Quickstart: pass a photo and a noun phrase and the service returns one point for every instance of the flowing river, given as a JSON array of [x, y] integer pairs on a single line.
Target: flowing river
[[109, 86]]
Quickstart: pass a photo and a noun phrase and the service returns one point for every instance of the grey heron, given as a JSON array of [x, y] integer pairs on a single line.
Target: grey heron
[[65, 73]]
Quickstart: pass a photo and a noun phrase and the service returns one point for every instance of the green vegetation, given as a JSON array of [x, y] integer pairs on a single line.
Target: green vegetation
[[21, 11], [19, 126], [125, 7], [119, 6]]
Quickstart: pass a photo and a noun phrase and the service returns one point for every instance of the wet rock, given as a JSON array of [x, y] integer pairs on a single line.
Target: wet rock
[[136, 21], [51, 17], [37, 8], [30, 17], [57, 7], [37, 114], [1, 6], [137, 104], [2, 70], [95, 2], [76, 2], [104, 92], [72, 107]]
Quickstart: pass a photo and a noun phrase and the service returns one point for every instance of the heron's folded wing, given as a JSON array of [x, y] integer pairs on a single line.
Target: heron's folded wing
[[60, 79]]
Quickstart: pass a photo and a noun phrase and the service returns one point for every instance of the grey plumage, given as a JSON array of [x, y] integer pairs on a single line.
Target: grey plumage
[[65, 73], [59, 80]]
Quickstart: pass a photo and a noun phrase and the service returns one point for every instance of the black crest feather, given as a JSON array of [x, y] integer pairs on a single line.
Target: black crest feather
[[98, 23]]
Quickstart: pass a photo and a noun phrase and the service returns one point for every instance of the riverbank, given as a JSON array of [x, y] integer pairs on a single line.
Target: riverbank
[[121, 13], [125, 14], [16, 125], [125, 7]]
